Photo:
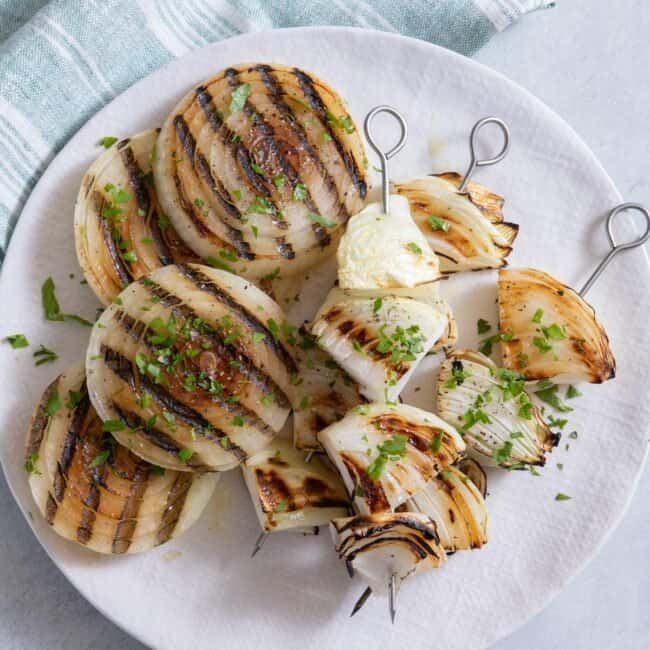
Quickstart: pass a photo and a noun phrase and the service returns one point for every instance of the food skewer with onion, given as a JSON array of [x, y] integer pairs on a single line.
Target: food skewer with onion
[[385, 314], [462, 220], [386, 455]]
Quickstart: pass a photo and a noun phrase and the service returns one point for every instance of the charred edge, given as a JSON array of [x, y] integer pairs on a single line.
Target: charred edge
[[51, 507], [156, 437], [123, 368], [40, 421], [121, 269], [135, 178], [73, 436], [135, 329], [374, 528], [419, 548], [275, 92], [129, 516], [165, 255], [200, 164], [285, 249], [318, 106], [91, 503], [214, 117], [373, 491], [174, 507], [204, 283]]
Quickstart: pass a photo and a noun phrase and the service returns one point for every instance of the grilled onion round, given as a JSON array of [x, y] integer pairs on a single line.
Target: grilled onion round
[[120, 232], [261, 163], [191, 361], [98, 493]]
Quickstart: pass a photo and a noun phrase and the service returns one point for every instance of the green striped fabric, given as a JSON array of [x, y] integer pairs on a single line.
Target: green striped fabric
[[59, 63]]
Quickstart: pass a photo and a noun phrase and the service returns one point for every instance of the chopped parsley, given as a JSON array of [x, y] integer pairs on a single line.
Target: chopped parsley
[[572, 392], [414, 248], [363, 409], [30, 463], [281, 506], [403, 344], [487, 344], [547, 392], [258, 337], [239, 97], [542, 344], [482, 326], [74, 398], [560, 423], [238, 421], [392, 449], [111, 426], [437, 223], [320, 220], [436, 443], [279, 180], [522, 360], [274, 329], [44, 355], [51, 307], [237, 195], [273, 275], [17, 341], [53, 404], [185, 454], [344, 122], [376, 306], [107, 141], [458, 375], [257, 169], [255, 230], [502, 454], [157, 471], [537, 316], [100, 459], [260, 205], [299, 192], [268, 399], [562, 497]]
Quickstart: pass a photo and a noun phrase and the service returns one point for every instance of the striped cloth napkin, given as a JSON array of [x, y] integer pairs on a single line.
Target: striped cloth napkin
[[61, 61]]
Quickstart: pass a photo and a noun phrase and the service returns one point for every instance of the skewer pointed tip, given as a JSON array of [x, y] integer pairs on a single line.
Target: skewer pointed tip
[[309, 456], [392, 597], [259, 543], [361, 602]]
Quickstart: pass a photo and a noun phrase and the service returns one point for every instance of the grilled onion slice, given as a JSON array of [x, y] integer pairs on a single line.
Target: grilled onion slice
[[324, 394], [289, 493], [379, 340], [490, 406], [456, 505], [385, 251], [472, 469], [380, 545], [465, 229], [261, 163], [556, 333], [386, 454], [95, 492], [120, 232], [191, 362]]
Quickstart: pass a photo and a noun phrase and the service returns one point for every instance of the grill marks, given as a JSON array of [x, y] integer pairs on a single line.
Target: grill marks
[[202, 167], [123, 368], [250, 320], [318, 106], [229, 353], [82, 479]]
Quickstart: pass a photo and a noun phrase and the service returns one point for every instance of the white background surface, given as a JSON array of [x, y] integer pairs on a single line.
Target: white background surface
[[588, 62]]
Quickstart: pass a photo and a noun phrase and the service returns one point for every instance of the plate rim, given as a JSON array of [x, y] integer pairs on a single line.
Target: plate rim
[[485, 71]]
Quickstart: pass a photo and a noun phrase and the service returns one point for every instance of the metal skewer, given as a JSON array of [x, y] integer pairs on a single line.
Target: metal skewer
[[618, 248], [392, 596], [361, 602], [385, 156], [475, 162], [259, 542]]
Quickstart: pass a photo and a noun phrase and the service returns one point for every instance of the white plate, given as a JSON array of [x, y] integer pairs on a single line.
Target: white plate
[[203, 591]]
